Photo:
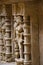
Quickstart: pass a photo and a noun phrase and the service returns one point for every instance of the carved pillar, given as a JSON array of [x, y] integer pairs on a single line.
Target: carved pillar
[[3, 34], [1, 44], [8, 45], [27, 39], [2, 29], [1, 41], [8, 39]]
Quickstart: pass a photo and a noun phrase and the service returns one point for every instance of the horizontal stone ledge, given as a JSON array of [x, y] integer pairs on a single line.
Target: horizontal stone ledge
[[1, 38], [7, 19], [8, 45], [20, 33], [27, 53], [1, 44], [16, 50], [8, 39], [27, 35], [8, 27], [2, 16], [27, 22], [28, 62], [7, 24], [26, 26], [7, 30], [20, 60], [1, 52], [16, 46], [27, 44], [8, 53]]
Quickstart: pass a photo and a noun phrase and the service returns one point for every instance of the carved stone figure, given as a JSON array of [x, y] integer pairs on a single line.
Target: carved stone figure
[[19, 38], [19, 33], [16, 47]]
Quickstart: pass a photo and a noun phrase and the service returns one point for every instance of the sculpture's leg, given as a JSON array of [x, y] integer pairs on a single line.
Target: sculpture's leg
[[16, 50], [20, 50]]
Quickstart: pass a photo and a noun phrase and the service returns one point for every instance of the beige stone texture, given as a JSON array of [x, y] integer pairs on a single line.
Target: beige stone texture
[[35, 10]]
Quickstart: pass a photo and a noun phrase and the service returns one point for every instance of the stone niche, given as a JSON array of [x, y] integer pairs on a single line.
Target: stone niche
[[20, 11], [32, 11]]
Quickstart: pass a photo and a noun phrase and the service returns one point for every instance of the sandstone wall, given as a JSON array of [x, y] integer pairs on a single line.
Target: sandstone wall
[[31, 9], [41, 32]]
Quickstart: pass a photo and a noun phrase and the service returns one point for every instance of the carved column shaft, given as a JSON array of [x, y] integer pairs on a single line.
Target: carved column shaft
[[1, 44], [8, 38], [3, 33], [8, 45], [27, 44], [1, 40]]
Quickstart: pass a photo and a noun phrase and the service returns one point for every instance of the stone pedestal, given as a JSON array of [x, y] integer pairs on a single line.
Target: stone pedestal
[[27, 43], [8, 45], [19, 61]]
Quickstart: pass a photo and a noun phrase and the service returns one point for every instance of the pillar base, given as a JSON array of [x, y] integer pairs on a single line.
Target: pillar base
[[27, 62], [19, 61], [8, 57]]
